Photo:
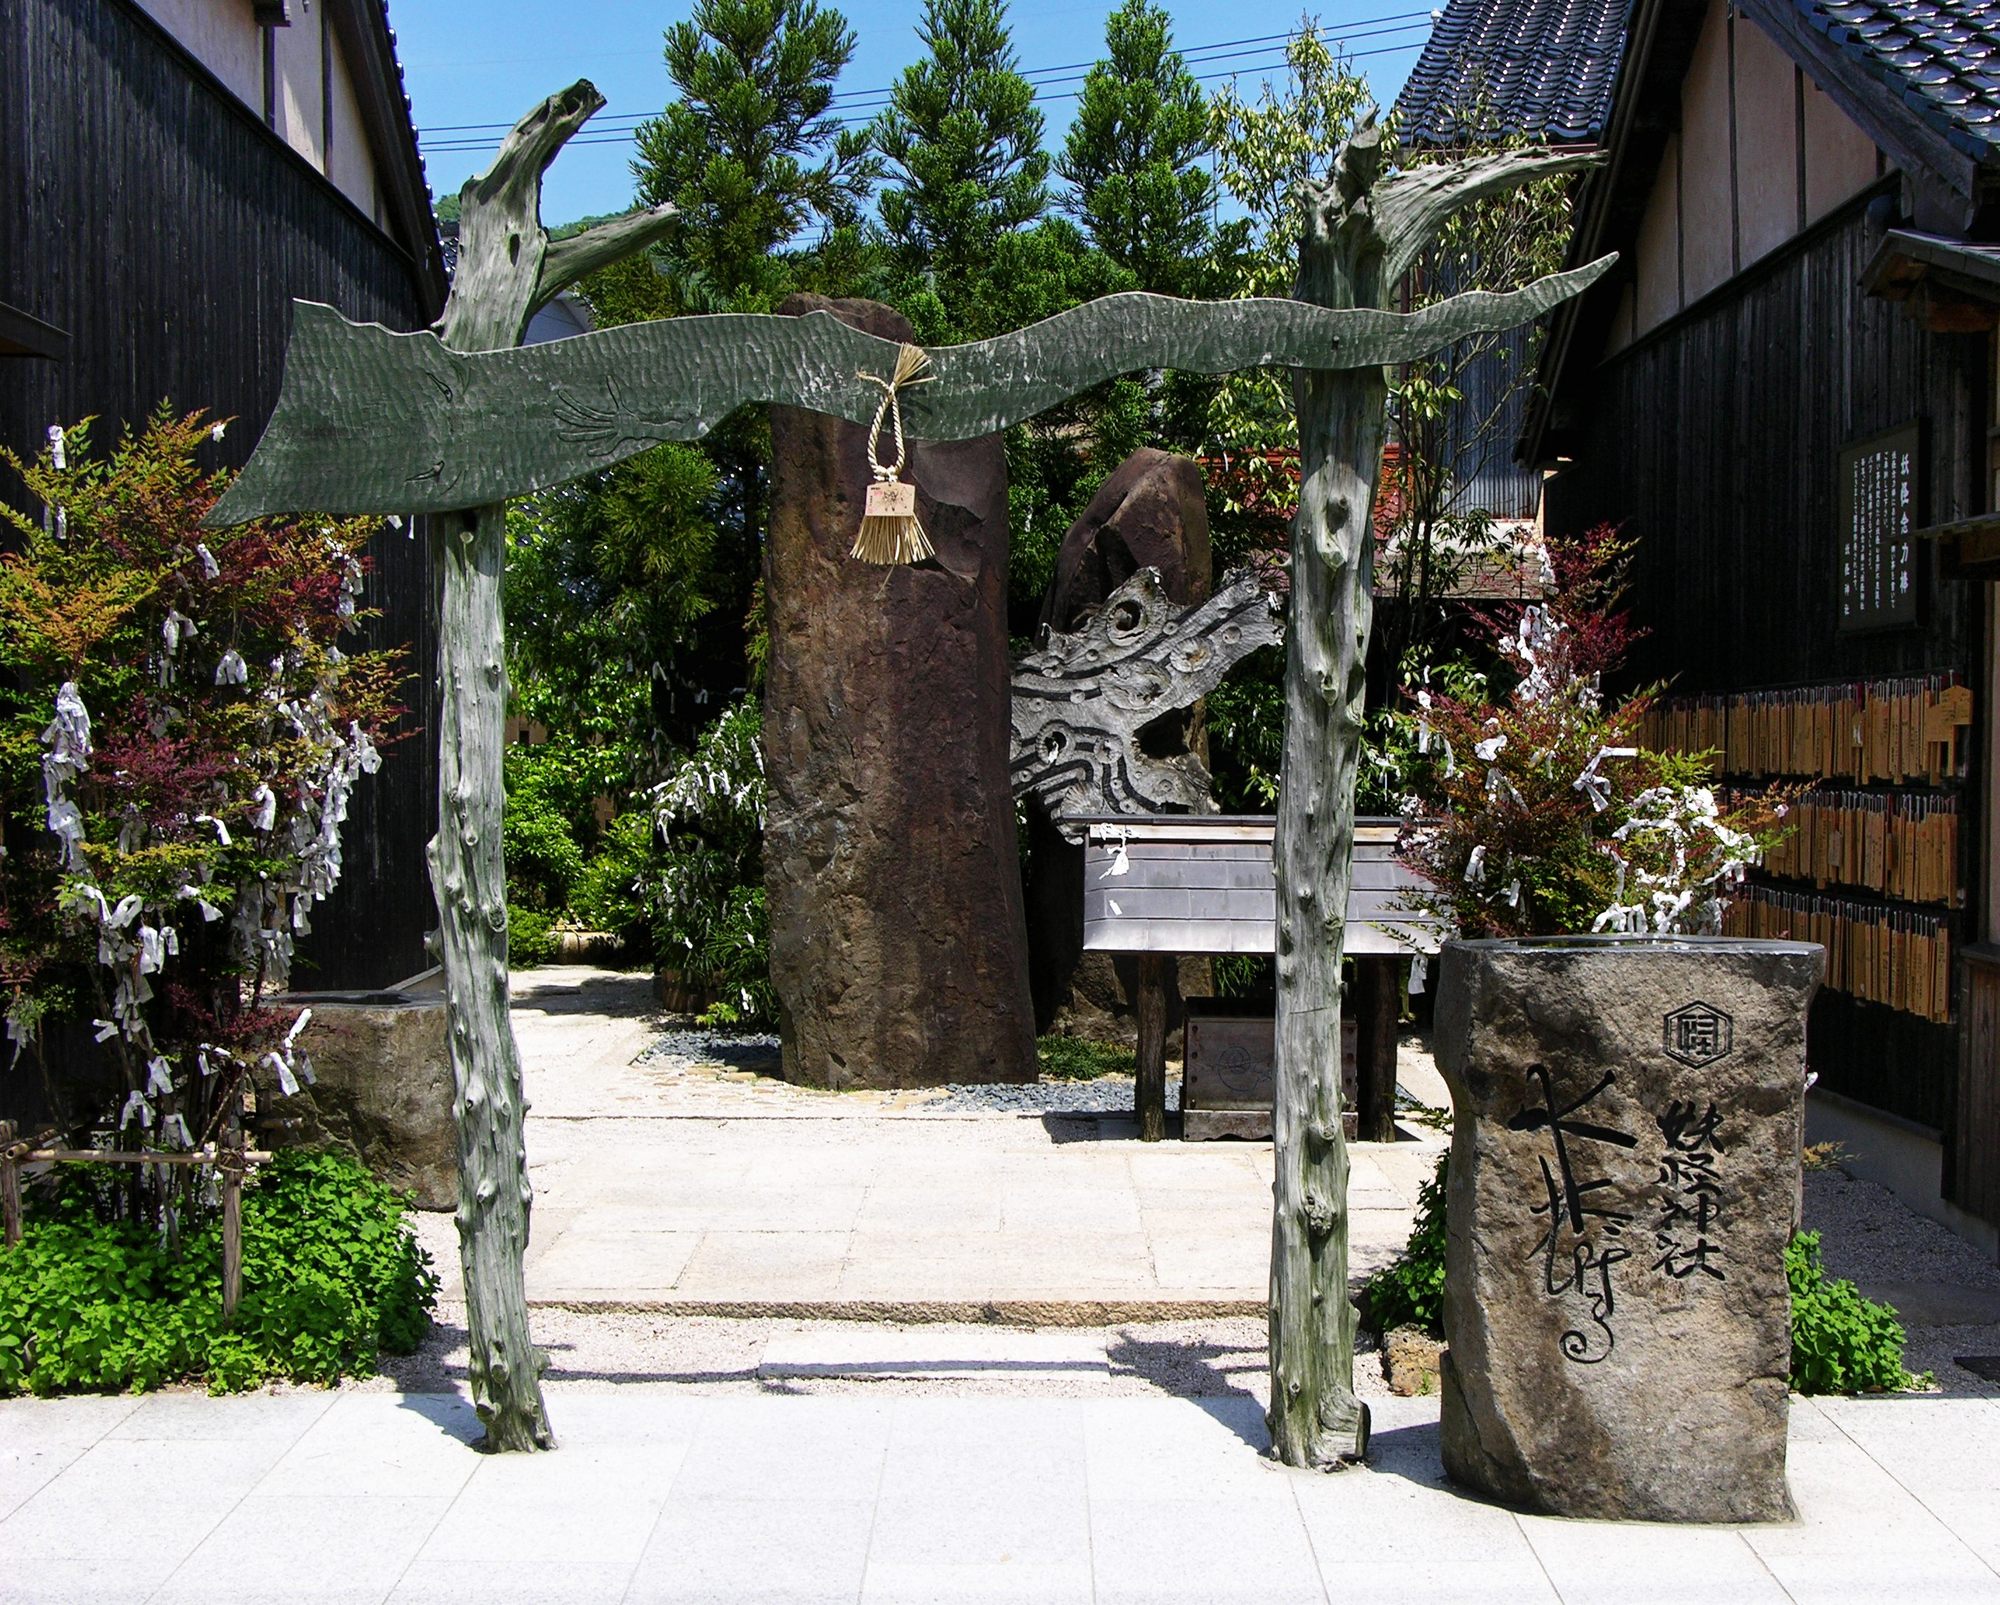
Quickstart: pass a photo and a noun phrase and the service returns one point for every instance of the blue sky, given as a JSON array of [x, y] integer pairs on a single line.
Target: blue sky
[[486, 61]]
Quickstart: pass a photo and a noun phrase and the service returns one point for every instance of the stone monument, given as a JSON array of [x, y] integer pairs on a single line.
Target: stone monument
[[1624, 1181], [898, 944]]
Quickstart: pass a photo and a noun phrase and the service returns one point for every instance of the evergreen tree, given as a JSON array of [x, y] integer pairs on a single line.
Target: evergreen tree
[[750, 152], [963, 139], [1134, 155]]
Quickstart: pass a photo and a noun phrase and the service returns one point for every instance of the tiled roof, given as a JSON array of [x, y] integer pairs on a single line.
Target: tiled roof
[[1941, 57], [1544, 68]]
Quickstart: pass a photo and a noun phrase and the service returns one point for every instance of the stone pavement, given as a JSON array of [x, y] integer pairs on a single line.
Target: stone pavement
[[665, 1188], [659, 1494]]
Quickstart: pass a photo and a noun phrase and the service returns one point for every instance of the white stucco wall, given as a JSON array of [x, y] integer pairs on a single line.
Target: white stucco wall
[[224, 37], [1717, 206]]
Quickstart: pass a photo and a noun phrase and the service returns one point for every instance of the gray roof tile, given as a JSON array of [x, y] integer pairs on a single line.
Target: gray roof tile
[[1942, 57], [1548, 68]]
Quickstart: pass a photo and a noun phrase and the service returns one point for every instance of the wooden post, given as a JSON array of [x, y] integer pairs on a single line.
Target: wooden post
[[10, 1186], [1149, 1089], [1376, 1010], [1363, 231], [232, 1163], [507, 268]]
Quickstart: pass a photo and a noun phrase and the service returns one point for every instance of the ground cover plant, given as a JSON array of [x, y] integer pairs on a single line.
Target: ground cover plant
[[1841, 1342], [1060, 1058], [333, 1278]]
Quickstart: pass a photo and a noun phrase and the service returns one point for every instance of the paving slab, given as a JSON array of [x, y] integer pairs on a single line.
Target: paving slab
[[872, 1351], [663, 1495], [672, 1187]]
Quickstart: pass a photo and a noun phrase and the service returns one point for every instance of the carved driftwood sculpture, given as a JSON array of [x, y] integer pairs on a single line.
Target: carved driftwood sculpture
[[1081, 700], [370, 421], [507, 268], [1363, 232]]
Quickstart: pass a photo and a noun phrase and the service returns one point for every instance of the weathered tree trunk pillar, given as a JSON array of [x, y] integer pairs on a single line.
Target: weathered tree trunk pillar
[[1362, 233], [1315, 1419], [507, 268]]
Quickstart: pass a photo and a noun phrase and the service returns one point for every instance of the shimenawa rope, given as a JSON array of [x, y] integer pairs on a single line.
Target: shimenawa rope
[[890, 529]]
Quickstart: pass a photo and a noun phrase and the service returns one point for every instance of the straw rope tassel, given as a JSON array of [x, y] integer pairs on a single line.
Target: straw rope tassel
[[890, 529]]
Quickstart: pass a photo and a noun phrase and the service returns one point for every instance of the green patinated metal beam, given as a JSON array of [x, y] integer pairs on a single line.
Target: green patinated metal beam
[[370, 421]]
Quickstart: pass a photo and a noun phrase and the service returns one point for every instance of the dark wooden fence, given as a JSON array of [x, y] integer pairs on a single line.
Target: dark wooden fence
[[1715, 441], [151, 216]]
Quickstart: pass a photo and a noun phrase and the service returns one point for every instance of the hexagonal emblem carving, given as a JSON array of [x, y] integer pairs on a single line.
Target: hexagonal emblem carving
[[1698, 1034]]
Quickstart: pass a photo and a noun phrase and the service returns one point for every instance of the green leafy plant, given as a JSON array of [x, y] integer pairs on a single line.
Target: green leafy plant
[[181, 732], [1841, 1342], [1539, 811], [531, 938], [1409, 1291], [1080, 1059], [332, 1279], [710, 919]]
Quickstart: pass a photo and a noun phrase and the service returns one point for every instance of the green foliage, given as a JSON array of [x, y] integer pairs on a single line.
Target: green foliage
[[751, 151], [962, 139], [531, 940], [1080, 1059], [544, 855], [1841, 1342], [332, 1278], [610, 894], [174, 823], [710, 919], [1134, 155], [1409, 1291]]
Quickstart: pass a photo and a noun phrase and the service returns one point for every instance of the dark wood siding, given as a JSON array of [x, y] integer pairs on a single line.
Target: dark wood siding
[[154, 218], [1714, 441]]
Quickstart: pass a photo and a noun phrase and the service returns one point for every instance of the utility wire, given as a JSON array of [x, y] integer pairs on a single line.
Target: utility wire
[[609, 133]]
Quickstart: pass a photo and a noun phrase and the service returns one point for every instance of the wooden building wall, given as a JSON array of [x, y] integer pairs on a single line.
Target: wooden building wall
[[1714, 440], [148, 213]]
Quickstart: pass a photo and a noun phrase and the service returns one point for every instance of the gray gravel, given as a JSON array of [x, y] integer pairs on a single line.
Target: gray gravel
[[1107, 1095], [740, 1050]]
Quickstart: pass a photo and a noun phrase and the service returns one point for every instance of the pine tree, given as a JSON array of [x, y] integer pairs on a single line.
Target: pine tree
[[1134, 155], [751, 152], [963, 140]]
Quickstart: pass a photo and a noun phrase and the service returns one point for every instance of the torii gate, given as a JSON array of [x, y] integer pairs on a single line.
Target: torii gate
[[457, 421]]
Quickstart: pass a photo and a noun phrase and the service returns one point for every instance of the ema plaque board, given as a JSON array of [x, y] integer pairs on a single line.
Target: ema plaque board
[[1203, 883]]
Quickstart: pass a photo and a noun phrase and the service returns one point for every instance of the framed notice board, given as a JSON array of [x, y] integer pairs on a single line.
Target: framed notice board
[[1881, 509]]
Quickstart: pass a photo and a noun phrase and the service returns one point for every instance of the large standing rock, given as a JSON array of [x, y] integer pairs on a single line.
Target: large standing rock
[[898, 947], [1151, 513], [1624, 1180], [381, 1094]]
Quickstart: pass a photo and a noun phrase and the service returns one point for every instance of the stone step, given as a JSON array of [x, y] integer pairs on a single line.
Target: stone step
[[864, 1351]]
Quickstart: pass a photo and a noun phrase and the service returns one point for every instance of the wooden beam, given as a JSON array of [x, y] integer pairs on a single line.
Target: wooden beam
[[1149, 1086], [1377, 1007]]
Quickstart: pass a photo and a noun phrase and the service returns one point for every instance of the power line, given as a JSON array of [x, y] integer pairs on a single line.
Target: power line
[[1219, 50]]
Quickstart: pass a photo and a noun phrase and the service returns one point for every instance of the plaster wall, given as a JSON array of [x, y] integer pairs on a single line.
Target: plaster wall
[[1768, 87], [224, 37], [1737, 181], [1840, 159], [301, 105], [220, 34], [1708, 177], [350, 160]]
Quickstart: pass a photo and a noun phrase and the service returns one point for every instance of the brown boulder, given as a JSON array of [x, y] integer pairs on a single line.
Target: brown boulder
[[1150, 513], [898, 946]]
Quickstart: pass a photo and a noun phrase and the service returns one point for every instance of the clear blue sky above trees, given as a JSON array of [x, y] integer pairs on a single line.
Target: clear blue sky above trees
[[472, 62]]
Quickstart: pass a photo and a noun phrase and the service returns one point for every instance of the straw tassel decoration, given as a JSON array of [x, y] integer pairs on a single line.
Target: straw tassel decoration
[[890, 529]]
